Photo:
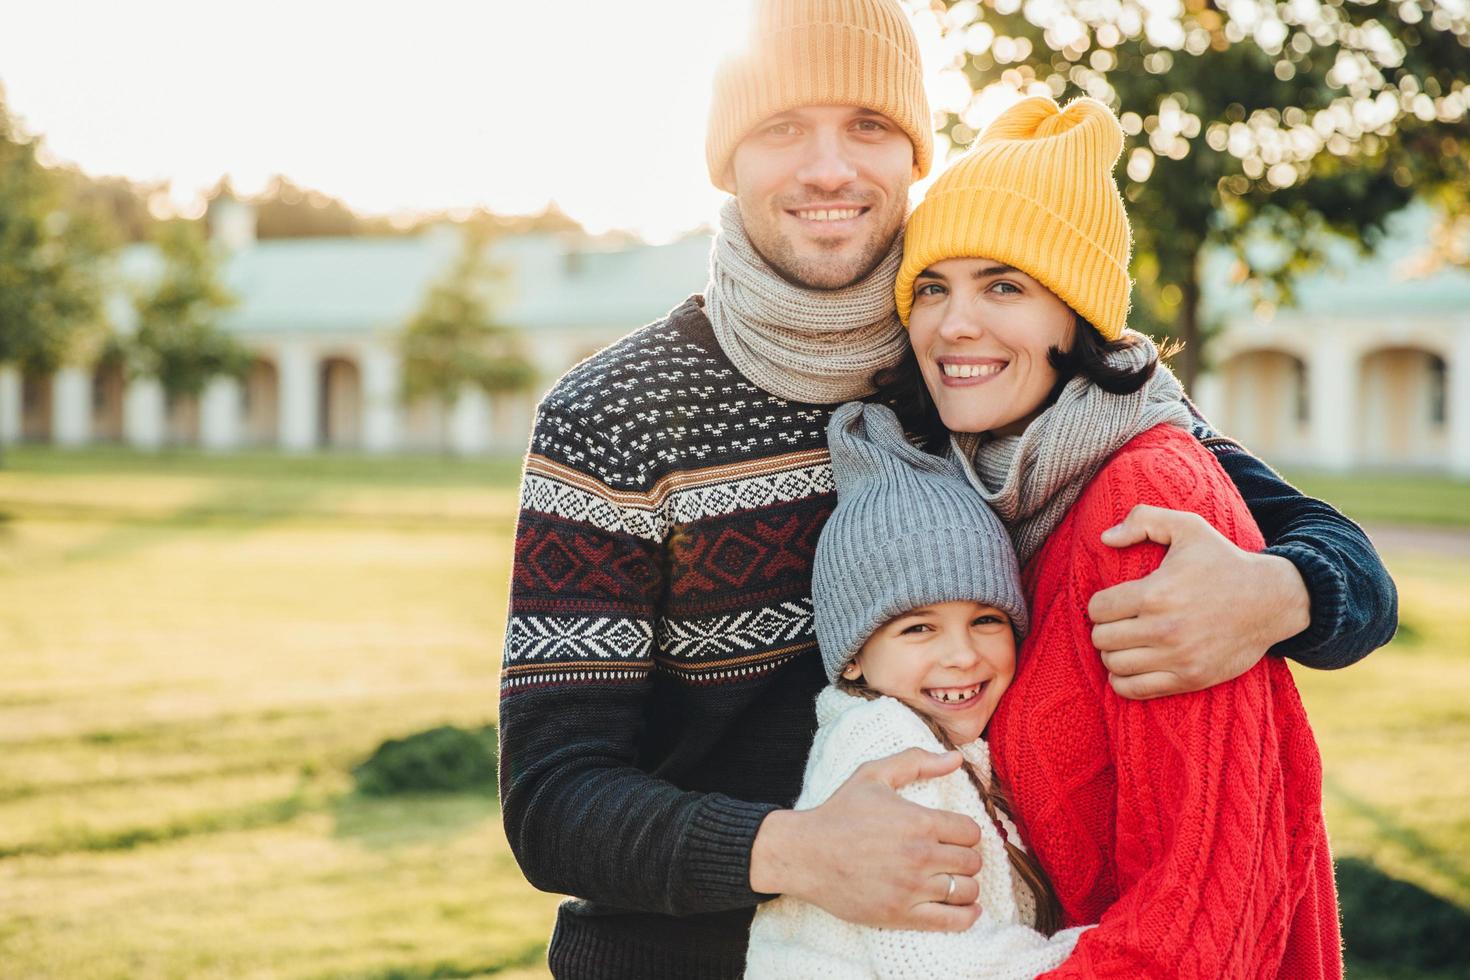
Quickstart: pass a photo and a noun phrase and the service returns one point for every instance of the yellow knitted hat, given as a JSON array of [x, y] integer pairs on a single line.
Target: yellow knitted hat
[[1036, 193], [820, 52]]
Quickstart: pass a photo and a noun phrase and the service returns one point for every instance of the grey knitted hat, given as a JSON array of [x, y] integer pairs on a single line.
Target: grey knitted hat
[[908, 531]]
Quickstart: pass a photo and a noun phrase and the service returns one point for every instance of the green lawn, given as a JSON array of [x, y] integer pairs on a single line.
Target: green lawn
[[1381, 498], [197, 650]]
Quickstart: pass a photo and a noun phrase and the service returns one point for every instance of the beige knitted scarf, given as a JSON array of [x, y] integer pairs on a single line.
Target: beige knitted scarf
[[1033, 479], [805, 345]]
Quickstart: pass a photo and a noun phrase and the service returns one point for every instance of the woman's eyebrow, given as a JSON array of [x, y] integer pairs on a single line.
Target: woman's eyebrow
[[994, 270]]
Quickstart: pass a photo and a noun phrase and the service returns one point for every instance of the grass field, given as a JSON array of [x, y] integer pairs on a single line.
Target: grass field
[[1379, 498], [197, 650]]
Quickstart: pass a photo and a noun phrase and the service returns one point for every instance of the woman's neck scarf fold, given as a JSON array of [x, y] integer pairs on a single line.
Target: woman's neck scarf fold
[[1031, 480]]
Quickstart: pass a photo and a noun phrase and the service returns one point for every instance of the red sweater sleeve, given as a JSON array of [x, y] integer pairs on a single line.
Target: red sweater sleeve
[[1211, 786]]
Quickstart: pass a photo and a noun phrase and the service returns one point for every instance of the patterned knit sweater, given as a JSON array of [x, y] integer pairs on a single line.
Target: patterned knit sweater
[[660, 668], [1190, 827], [793, 938]]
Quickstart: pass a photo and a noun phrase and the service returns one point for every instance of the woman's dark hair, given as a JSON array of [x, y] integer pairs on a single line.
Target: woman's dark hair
[[994, 799], [902, 387]]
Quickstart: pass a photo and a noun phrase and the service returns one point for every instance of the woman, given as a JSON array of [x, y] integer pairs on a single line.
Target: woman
[[1189, 827]]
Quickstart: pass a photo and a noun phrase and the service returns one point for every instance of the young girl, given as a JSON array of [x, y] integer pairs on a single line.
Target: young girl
[[918, 609]]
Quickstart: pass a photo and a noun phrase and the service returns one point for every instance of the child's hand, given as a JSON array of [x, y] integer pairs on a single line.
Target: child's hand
[[873, 858]]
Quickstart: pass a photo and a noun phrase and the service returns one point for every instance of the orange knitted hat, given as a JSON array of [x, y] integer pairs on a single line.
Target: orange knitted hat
[[1036, 193], [820, 52]]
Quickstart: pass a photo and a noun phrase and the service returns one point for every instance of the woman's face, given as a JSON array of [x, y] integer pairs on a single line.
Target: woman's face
[[981, 331]]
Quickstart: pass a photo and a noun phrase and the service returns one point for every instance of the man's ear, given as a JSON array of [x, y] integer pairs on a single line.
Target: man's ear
[[727, 177]]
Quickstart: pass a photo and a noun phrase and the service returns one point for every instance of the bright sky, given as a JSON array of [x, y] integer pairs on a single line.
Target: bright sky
[[598, 105]]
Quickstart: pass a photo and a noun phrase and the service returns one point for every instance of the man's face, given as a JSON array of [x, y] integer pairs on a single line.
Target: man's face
[[823, 191]]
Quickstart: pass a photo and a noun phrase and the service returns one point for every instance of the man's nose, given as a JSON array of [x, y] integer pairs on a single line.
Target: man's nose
[[827, 167]]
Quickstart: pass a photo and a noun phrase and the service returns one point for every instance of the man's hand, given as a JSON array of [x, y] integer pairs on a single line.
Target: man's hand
[[871, 857], [1206, 615]]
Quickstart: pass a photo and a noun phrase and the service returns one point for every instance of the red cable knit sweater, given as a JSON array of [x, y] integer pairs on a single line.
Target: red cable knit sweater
[[1189, 827]]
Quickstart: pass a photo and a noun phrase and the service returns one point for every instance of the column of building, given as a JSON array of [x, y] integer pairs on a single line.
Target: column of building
[[71, 407], [469, 423], [300, 390], [381, 380], [144, 414], [1332, 376], [221, 421], [1457, 378], [10, 404]]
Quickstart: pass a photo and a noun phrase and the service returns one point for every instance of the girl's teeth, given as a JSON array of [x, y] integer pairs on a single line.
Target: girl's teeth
[[951, 696], [970, 370]]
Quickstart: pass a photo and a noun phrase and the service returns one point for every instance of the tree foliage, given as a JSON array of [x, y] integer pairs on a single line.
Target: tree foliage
[[1247, 121], [179, 340], [454, 341], [287, 210], [120, 204], [50, 260]]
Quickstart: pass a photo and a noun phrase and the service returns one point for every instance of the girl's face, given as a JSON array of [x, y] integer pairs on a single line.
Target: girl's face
[[950, 661], [981, 331]]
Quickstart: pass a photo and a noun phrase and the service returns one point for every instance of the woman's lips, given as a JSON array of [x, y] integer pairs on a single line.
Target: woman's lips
[[967, 373]]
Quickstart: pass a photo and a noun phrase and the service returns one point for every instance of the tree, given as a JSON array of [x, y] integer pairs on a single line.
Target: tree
[[120, 204], [284, 210], [1253, 127], [454, 341], [178, 339], [50, 261]]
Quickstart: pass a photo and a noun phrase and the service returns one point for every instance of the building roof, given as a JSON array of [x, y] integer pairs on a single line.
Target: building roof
[[1354, 285], [372, 283], [555, 282]]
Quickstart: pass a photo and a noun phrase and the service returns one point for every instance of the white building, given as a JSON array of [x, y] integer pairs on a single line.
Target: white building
[[322, 316], [1371, 368]]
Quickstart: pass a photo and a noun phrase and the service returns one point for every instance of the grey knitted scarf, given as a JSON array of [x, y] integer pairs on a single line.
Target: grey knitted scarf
[[805, 345], [1033, 479]]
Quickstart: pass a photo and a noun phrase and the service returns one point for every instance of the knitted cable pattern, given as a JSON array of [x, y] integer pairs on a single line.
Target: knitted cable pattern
[[1188, 827]]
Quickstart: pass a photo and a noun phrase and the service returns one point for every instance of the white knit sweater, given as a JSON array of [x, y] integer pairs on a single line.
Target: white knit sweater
[[791, 938]]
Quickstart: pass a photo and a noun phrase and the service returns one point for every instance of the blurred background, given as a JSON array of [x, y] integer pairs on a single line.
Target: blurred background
[[281, 284]]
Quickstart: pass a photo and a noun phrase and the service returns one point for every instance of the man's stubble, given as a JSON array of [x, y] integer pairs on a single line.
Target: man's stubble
[[821, 267]]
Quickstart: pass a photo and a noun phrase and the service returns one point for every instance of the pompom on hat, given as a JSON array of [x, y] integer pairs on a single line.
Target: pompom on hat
[[1037, 193], [819, 52]]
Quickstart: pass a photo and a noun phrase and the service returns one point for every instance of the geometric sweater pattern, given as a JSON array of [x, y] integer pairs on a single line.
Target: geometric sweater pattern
[[660, 668]]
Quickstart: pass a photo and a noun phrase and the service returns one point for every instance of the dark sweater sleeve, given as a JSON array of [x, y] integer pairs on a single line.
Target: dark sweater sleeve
[[580, 815], [1355, 605]]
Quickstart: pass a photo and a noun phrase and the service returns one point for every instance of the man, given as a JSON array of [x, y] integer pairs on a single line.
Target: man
[[660, 667]]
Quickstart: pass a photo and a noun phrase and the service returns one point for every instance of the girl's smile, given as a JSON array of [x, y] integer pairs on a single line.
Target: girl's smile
[[949, 661]]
